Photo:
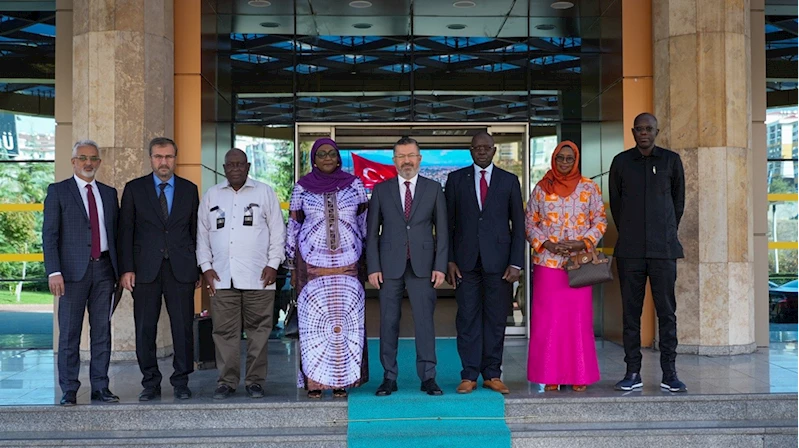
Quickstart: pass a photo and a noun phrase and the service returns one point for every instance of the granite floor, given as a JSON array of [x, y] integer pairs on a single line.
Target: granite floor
[[29, 377]]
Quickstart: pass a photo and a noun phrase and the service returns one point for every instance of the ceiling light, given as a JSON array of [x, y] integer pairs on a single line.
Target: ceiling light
[[362, 26], [545, 27], [270, 24], [456, 26], [259, 3], [464, 4], [360, 4], [561, 5]]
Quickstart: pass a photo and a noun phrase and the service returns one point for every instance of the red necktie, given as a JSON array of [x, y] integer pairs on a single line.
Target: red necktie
[[483, 189], [94, 222]]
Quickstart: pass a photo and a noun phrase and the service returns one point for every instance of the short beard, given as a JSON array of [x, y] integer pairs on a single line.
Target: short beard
[[87, 174]]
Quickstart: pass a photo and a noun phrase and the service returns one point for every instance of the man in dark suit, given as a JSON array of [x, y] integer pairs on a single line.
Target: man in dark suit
[[79, 242], [404, 253], [157, 238], [486, 252]]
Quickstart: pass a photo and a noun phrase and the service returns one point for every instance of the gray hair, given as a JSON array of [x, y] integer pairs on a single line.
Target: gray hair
[[85, 142]]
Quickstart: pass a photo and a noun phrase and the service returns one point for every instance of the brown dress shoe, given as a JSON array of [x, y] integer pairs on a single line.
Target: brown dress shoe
[[496, 385], [466, 386]]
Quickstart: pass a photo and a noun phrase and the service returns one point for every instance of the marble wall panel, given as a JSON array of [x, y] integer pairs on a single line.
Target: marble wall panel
[[739, 228], [129, 88], [130, 15], [711, 89], [101, 14], [102, 83], [687, 292], [689, 225], [712, 163], [741, 303], [682, 91], [80, 86], [737, 96], [710, 16], [714, 304], [682, 17]]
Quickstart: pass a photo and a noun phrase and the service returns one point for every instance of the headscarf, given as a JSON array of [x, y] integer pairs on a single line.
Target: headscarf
[[562, 184], [318, 182]]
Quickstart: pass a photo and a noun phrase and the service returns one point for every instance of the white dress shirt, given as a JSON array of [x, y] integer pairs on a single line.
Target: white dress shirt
[[234, 250], [477, 176], [402, 181], [100, 211]]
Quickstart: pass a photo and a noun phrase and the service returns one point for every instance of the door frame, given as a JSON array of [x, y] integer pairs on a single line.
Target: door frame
[[522, 128]]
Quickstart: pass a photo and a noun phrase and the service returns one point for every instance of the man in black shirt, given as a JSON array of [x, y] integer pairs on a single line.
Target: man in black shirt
[[647, 198]]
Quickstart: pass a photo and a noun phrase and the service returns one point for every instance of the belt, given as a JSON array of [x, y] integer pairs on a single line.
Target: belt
[[102, 255]]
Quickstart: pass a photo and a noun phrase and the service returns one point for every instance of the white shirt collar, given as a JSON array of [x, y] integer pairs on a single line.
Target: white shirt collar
[[412, 180], [489, 169], [248, 183], [82, 183]]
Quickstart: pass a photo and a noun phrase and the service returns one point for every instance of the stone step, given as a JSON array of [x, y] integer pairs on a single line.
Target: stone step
[[685, 408], [164, 417], [662, 435], [269, 438]]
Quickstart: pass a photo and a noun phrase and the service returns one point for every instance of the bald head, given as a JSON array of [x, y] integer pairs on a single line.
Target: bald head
[[646, 116], [482, 138], [483, 149], [645, 130]]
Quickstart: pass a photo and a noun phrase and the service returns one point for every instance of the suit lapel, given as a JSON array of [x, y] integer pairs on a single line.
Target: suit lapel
[[418, 194], [73, 187], [472, 193], [105, 196], [495, 179], [149, 185], [394, 190]]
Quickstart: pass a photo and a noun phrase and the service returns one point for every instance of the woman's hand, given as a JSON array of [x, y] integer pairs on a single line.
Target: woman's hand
[[574, 245], [556, 248]]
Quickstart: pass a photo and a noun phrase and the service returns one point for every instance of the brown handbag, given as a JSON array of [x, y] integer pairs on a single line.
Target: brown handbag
[[588, 268]]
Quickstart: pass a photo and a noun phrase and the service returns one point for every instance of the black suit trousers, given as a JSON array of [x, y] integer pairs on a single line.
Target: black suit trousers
[[179, 298], [662, 274], [484, 301], [93, 291]]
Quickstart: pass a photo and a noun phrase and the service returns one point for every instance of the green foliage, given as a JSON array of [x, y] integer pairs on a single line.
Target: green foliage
[[26, 298]]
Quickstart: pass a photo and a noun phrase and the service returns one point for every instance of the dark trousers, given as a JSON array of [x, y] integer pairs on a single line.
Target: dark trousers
[[93, 291], [179, 298], [484, 301], [662, 274], [423, 304]]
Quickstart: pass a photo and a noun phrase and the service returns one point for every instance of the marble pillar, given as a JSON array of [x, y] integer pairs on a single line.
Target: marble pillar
[[702, 98], [123, 96]]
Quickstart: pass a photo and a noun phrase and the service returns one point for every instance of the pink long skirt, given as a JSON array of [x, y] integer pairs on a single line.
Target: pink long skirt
[[562, 349]]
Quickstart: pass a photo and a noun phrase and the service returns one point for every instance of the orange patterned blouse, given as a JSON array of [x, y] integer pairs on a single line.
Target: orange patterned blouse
[[576, 217]]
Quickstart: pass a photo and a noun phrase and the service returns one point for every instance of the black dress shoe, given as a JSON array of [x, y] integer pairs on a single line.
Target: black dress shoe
[[105, 396], [223, 391], [182, 392], [386, 388], [70, 398], [431, 387], [150, 393]]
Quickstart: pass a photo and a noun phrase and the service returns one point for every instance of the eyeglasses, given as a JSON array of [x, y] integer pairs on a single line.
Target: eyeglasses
[[485, 148], [327, 155], [565, 159], [236, 165], [648, 129], [93, 159], [159, 157], [402, 157]]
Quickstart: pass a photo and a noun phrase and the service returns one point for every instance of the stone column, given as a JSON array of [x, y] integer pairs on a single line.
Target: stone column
[[122, 96], [703, 102]]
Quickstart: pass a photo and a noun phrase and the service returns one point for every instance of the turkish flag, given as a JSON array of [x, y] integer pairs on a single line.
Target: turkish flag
[[372, 173]]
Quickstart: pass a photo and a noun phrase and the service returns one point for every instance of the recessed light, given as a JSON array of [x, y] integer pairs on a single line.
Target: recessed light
[[456, 26], [561, 5], [259, 3], [545, 27], [362, 26], [270, 24], [464, 4], [360, 4]]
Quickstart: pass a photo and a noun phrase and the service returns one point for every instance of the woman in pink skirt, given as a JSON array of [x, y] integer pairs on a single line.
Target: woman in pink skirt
[[565, 214]]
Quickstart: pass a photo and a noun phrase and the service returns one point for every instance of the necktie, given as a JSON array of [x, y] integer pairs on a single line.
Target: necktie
[[483, 189], [408, 205], [94, 222], [408, 200], [162, 200]]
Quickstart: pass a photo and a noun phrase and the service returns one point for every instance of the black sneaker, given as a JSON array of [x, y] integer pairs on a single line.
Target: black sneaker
[[223, 391], [631, 381], [673, 384], [255, 391]]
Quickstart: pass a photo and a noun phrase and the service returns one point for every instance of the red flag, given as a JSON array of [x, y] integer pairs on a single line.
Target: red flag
[[371, 173]]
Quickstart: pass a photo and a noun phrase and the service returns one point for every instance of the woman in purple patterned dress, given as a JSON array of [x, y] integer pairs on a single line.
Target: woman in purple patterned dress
[[326, 237]]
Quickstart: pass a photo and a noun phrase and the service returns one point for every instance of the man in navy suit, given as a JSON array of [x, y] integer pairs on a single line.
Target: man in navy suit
[[79, 242], [157, 239], [486, 252]]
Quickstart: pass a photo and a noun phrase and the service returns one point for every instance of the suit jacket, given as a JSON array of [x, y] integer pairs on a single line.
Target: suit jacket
[[496, 233], [388, 233], [67, 233], [144, 234]]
